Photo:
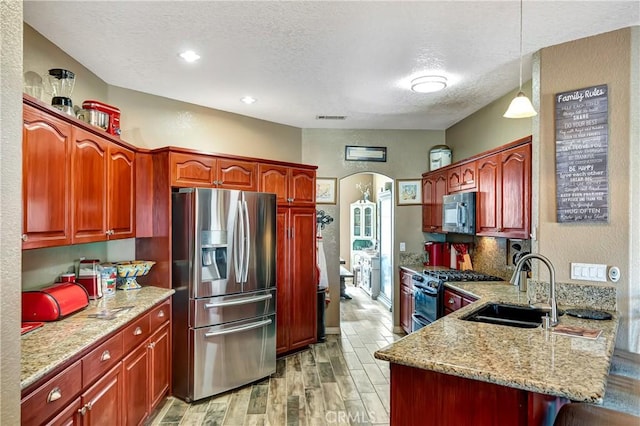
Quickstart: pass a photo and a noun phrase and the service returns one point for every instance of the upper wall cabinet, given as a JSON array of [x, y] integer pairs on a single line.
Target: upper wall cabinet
[[504, 194], [198, 170], [78, 186], [46, 168], [292, 186], [462, 178], [434, 187]]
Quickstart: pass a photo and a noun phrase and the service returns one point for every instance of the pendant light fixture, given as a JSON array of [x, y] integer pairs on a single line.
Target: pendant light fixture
[[520, 106]]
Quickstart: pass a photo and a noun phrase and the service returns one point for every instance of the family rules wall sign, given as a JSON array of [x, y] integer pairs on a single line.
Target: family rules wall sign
[[582, 144]]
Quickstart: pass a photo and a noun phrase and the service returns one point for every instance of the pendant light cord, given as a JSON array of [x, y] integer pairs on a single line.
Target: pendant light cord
[[520, 45]]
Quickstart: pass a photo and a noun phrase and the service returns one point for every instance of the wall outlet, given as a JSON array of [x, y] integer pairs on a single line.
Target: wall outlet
[[403, 246], [588, 272]]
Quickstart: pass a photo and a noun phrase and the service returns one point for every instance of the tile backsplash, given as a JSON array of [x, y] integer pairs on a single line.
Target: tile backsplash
[[491, 255]]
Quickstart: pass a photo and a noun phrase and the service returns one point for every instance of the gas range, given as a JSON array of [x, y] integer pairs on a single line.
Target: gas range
[[455, 275]]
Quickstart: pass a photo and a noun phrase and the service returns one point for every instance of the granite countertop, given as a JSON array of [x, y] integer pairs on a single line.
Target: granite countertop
[[534, 360], [51, 345]]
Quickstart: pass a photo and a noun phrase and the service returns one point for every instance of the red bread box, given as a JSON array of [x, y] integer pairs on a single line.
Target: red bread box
[[53, 303]]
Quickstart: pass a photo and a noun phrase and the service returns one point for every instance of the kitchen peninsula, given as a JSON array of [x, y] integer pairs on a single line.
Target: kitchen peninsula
[[457, 372]]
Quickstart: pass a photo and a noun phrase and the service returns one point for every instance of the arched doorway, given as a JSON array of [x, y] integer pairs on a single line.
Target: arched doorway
[[366, 242]]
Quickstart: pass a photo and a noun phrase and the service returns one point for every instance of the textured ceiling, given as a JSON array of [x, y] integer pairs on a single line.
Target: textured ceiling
[[303, 59]]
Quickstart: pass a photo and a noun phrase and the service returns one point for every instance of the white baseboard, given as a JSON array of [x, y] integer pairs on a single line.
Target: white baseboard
[[332, 330]]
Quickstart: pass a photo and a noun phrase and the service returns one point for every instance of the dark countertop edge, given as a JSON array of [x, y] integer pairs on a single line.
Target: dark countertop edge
[[26, 382]]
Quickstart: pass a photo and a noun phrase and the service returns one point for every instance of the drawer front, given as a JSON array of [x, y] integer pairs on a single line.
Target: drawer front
[[98, 361], [136, 333], [159, 315], [53, 396], [452, 300]]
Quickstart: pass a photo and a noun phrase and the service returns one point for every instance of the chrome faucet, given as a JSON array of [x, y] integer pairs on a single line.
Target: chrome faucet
[[515, 280]]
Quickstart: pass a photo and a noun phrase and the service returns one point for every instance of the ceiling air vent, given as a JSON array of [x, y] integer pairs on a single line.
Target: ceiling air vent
[[331, 117]]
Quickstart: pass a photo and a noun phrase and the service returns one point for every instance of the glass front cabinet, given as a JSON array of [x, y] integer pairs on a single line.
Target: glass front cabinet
[[363, 225]]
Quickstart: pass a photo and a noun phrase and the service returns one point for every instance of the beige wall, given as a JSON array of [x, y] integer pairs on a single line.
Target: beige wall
[[10, 208], [150, 121], [153, 121], [487, 128], [602, 59], [407, 158]]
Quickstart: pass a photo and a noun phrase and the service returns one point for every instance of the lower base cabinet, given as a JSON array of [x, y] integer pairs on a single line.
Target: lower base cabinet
[[456, 401], [106, 386]]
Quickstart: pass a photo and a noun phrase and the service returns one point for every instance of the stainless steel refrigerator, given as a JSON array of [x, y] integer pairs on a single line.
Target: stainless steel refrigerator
[[224, 277]]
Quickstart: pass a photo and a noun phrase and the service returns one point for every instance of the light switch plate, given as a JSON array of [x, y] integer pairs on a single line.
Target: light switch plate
[[589, 272], [403, 246]]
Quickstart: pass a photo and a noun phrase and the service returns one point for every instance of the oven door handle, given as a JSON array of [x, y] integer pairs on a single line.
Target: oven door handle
[[428, 291]]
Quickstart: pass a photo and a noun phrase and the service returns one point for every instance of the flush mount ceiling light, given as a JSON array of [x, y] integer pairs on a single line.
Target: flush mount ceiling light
[[520, 106], [428, 83], [248, 100], [190, 56]]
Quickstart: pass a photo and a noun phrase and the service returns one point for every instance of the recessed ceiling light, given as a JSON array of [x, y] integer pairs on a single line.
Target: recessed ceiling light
[[190, 56], [428, 83], [248, 100]]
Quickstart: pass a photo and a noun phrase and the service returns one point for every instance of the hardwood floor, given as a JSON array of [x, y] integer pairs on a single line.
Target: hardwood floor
[[334, 382]]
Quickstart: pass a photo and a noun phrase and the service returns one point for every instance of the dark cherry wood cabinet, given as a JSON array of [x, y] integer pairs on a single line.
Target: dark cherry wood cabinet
[[119, 380], [103, 403], [462, 177], [199, 170], [434, 187], [121, 192], [423, 397], [103, 189], [406, 300], [292, 186], [78, 186], [453, 300], [503, 203], [46, 189], [297, 279]]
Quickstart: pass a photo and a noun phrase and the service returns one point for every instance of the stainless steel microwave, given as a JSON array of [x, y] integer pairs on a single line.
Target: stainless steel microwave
[[459, 213]]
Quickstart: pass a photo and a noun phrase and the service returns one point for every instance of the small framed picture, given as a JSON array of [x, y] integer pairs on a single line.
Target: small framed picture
[[409, 191], [326, 190]]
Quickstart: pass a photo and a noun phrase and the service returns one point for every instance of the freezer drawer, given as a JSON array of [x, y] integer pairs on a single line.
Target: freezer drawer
[[234, 307], [231, 355]]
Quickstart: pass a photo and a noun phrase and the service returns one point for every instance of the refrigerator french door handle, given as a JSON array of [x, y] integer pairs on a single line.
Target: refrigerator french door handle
[[238, 236], [239, 329], [247, 242], [238, 301]]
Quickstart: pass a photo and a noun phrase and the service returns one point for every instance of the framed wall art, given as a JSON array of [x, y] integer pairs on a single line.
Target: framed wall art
[[326, 190], [409, 191], [365, 153]]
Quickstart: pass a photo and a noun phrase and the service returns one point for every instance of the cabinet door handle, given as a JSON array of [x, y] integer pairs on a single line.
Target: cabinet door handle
[[152, 345], [89, 405], [451, 301], [137, 331], [24, 237], [54, 395], [82, 411], [106, 355], [161, 314]]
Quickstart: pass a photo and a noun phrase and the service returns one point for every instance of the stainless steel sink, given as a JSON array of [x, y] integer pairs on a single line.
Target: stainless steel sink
[[510, 315]]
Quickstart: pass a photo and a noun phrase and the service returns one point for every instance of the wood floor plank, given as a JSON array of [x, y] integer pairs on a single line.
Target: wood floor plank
[[255, 420], [277, 414], [237, 409], [175, 412], [310, 377], [295, 384], [333, 401], [258, 399], [307, 358], [348, 388], [215, 413], [321, 353], [278, 391], [293, 409], [339, 365], [315, 402], [325, 372]]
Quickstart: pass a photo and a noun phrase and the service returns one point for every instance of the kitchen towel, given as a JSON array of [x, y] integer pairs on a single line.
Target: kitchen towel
[[323, 281]]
